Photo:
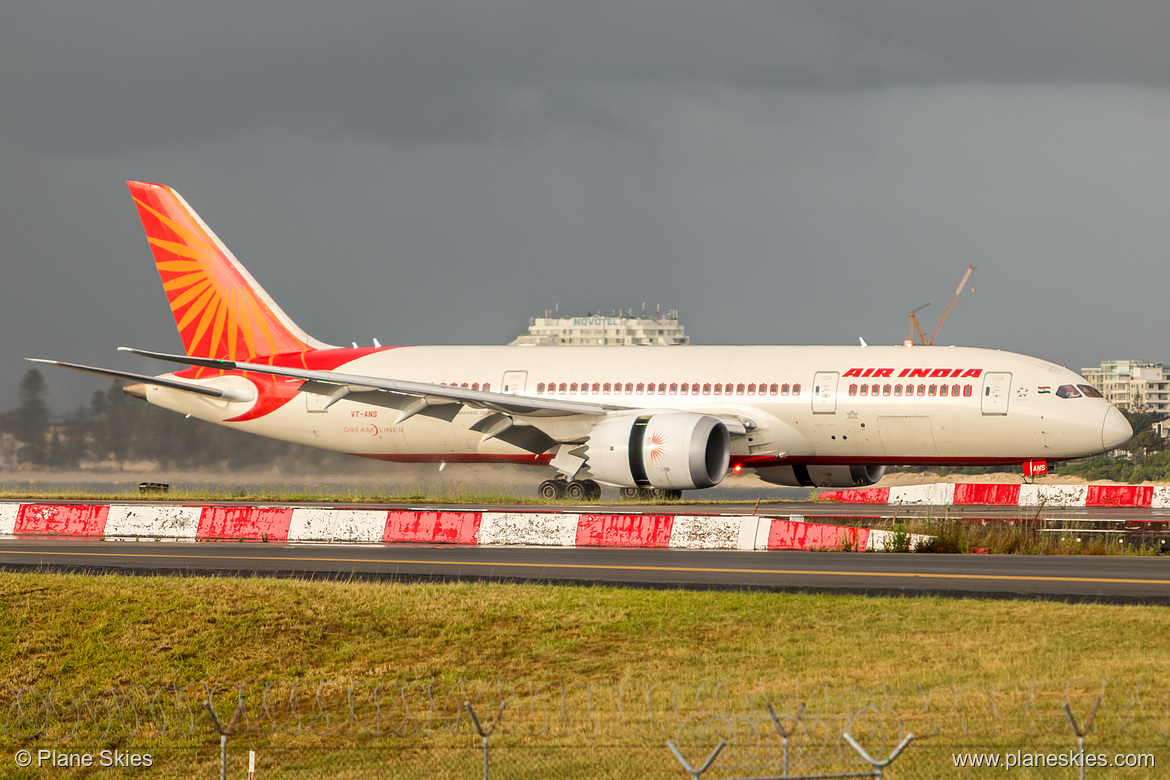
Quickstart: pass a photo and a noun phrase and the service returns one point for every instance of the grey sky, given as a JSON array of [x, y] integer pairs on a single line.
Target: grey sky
[[439, 172]]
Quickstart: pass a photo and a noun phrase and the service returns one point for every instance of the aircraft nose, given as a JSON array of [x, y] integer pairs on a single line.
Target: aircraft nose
[[1115, 431]]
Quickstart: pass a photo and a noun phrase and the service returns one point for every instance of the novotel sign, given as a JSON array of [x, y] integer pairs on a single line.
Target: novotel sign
[[598, 321]]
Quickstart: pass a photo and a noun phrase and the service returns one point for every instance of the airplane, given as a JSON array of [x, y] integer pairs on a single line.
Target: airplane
[[650, 420]]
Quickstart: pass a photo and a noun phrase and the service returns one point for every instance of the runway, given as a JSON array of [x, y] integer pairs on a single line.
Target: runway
[[1073, 578]]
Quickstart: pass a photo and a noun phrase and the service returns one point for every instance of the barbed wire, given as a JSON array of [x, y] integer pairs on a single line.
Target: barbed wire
[[690, 715]]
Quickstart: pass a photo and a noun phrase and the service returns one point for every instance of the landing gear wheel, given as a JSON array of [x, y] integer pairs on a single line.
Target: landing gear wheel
[[592, 489], [659, 494], [577, 491], [631, 493], [552, 488]]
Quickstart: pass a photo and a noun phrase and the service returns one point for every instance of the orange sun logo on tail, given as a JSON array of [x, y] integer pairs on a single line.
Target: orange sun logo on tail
[[219, 309]]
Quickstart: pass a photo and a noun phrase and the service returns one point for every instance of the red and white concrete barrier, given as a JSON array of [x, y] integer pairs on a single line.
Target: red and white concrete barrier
[[968, 494], [322, 524]]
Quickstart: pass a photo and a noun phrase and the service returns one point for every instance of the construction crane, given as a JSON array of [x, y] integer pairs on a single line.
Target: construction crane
[[916, 328]]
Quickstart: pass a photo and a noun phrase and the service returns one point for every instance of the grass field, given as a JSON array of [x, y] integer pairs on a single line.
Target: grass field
[[75, 632]]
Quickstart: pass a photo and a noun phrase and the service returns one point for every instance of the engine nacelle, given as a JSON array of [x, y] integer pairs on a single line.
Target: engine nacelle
[[670, 451], [822, 476]]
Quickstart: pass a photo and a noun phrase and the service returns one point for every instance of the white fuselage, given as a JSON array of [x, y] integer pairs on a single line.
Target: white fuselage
[[799, 404]]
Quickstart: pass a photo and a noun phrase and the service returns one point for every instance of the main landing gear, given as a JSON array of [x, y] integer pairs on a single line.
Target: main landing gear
[[588, 490], [577, 490], [651, 494]]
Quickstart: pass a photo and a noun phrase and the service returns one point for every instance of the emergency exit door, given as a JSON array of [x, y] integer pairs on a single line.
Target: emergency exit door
[[514, 382]]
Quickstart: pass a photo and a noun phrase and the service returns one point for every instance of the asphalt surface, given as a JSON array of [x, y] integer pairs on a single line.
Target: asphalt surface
[[1073, 578]]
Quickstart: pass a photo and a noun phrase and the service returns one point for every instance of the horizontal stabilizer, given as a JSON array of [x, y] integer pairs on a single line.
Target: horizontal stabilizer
[[174, 384]]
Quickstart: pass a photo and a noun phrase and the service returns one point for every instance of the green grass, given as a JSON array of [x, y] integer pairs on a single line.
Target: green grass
[[80, 631], [75, 632]]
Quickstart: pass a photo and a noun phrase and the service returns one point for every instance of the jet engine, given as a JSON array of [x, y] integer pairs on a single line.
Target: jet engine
[[822, 476], [670, 451]]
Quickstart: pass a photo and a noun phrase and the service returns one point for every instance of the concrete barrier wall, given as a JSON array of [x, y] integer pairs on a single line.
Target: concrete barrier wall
[[972, 494], [324, 524]]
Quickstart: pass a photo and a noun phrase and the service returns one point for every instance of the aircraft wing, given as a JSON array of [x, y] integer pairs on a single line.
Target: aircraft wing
[[428, 394], [176, 384]]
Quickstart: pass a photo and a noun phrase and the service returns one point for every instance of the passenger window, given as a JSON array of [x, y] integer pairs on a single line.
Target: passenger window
[[966, 391], [684, 389], [596, 387], [865, 389], [852, 389], [639, 388], [540, 388], [718, 389], [943, 390], [673, 388], [955, 390], [487, 386], [629, 387], [934, 389], [605, 388], [897, 390], [752, 389], [650, 389], [1089, 391], [662, 388], [886, 390], [784, 389], [707, 389], [796, 389], [774, 390], [739, 388], [1067, 391], [922, 389]]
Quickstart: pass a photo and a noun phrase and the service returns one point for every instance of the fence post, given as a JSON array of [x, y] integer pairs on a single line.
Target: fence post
[[222, 741], [878, 766], [1081, 731], [785, 734], [692, 771], [223, 732], [485, 734]]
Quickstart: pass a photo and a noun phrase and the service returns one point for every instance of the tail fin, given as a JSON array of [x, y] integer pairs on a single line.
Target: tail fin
[[219, 309]]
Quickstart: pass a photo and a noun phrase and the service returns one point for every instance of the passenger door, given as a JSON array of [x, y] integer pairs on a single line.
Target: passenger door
[[824, 399], [995, 392]]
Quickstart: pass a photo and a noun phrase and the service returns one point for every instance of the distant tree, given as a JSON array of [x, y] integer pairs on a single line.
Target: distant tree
[[31, 424], [1145, 437]]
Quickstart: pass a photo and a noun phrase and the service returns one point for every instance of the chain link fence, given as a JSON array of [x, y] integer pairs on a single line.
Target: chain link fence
[[371, 729]]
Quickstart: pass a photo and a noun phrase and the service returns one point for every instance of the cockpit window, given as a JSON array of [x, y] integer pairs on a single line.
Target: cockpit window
[[1067, 391], [1089, 391]]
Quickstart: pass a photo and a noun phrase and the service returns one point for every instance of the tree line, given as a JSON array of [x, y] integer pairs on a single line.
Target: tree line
[[115, 428]]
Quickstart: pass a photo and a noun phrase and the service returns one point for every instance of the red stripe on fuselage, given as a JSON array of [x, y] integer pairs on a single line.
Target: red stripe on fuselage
[[273, 392]]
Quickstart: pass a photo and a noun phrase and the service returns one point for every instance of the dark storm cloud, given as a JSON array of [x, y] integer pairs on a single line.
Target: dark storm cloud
[[85, 77], [437, 172]]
